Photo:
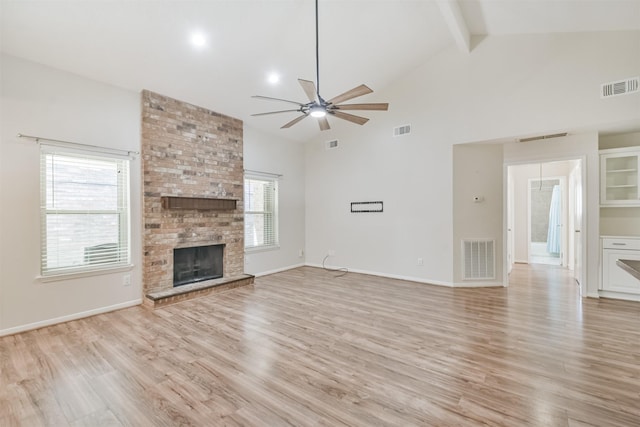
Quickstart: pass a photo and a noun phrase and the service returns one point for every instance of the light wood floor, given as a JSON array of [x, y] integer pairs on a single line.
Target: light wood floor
[[305, 348]]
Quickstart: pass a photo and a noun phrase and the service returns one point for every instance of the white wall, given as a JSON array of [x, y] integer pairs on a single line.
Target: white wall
[[507, 86], [265, 153], [38, 100], [477, 172]]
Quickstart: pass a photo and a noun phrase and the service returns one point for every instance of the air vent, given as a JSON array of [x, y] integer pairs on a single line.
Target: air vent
[[539, 137], [621, 87], [478, 259], [332, 144], [402, 130]]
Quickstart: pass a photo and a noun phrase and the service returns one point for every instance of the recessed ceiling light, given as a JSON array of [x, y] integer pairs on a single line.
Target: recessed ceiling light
[[198, 39], [273, 78]]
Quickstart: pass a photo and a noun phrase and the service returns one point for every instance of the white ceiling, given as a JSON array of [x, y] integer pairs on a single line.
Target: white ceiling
[[144, 44]]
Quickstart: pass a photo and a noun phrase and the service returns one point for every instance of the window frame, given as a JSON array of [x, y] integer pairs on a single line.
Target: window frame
[[272, 180], [122, 211]]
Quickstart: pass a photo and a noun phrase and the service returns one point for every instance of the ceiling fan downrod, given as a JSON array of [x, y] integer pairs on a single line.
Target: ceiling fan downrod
[[317, 58], [317, 107]]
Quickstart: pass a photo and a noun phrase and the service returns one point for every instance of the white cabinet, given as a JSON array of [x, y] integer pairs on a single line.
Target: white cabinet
[[615, 278], [619, 177]]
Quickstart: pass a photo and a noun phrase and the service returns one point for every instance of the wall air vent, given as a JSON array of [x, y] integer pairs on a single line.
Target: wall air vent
[[332, 144], [478, 259], [540, 137], [402, 130], [621, 87]]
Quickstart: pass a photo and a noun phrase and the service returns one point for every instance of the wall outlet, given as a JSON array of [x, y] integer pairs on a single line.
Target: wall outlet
[[300, 253], [331, 252], [126, 280], [420, 261]]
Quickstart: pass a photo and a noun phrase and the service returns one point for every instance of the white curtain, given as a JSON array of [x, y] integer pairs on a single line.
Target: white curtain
[[553, 235]]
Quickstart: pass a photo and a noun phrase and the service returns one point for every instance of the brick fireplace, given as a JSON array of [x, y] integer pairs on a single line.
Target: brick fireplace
[[192, 163]]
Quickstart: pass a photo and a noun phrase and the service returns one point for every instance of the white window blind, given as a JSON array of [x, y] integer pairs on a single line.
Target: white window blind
[[84, 211], [261, 212]]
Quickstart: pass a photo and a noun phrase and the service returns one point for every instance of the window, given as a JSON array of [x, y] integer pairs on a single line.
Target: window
[[84, 211], [260, 212]]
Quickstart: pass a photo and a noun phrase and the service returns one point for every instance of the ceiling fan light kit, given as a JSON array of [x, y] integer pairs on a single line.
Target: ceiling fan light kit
[[317, 111], [319, 108]]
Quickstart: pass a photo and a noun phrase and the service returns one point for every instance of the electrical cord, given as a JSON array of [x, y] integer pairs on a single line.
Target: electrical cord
[[341, 270]]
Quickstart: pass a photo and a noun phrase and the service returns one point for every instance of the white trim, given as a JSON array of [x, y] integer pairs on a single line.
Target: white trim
[[264, 248], [63, 319], [84, 273], [278, 270], [260, 174], [619, 295], [413, 279], [379, 274]]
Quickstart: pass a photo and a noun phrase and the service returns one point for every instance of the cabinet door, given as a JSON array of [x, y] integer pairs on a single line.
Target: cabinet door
[[614, 278], [619, 179]]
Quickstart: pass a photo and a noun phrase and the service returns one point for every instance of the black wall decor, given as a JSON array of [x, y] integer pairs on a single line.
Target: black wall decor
[[359, 207]]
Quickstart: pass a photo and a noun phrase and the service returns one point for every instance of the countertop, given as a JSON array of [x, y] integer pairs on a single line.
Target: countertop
[[630, 266]]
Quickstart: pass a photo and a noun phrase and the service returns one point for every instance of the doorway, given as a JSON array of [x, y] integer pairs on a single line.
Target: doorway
[[547, 220], [542, 228]]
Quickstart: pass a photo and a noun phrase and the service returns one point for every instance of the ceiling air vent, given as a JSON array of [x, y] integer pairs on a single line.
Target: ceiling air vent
[[621, 87], [332, 144], [402, 130], [540, 137]]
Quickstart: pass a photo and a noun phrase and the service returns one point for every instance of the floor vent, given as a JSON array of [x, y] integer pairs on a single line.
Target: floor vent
[[332, 144], [478, 259], [402, 130], [621, 87]]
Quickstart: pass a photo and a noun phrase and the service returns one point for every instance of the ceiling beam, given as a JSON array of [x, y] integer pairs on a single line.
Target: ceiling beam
[[452, 15]]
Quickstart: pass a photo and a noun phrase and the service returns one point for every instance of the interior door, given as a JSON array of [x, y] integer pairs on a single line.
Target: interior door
[[576, 177], [510, 219]]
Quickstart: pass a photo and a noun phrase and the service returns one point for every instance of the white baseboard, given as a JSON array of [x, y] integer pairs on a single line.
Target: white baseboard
[[278, 270], [75, 316], [619, 295], [416, 279]]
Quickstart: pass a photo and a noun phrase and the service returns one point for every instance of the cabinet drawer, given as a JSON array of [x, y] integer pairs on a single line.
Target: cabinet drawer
[[620, 243], [614, 278]]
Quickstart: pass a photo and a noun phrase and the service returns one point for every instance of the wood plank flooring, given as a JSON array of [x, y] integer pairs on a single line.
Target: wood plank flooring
[[306, 348]]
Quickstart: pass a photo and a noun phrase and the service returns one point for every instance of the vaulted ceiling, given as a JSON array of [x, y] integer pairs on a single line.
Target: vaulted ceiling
[[139, 44]]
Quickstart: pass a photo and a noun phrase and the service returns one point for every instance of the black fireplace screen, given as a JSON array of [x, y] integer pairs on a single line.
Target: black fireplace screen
[[197, 264]]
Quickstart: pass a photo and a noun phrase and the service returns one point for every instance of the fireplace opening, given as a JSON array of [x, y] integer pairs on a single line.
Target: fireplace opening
[[196, 264]]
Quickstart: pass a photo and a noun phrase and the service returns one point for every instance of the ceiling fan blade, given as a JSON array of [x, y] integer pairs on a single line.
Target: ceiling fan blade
[[350, 94], [380, 106], [274, 112], [277, 99], [293, 122], [324, 123], [309, 88], [350, 117]]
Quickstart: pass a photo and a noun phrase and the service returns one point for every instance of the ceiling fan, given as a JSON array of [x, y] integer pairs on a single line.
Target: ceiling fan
[[318, 107]]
